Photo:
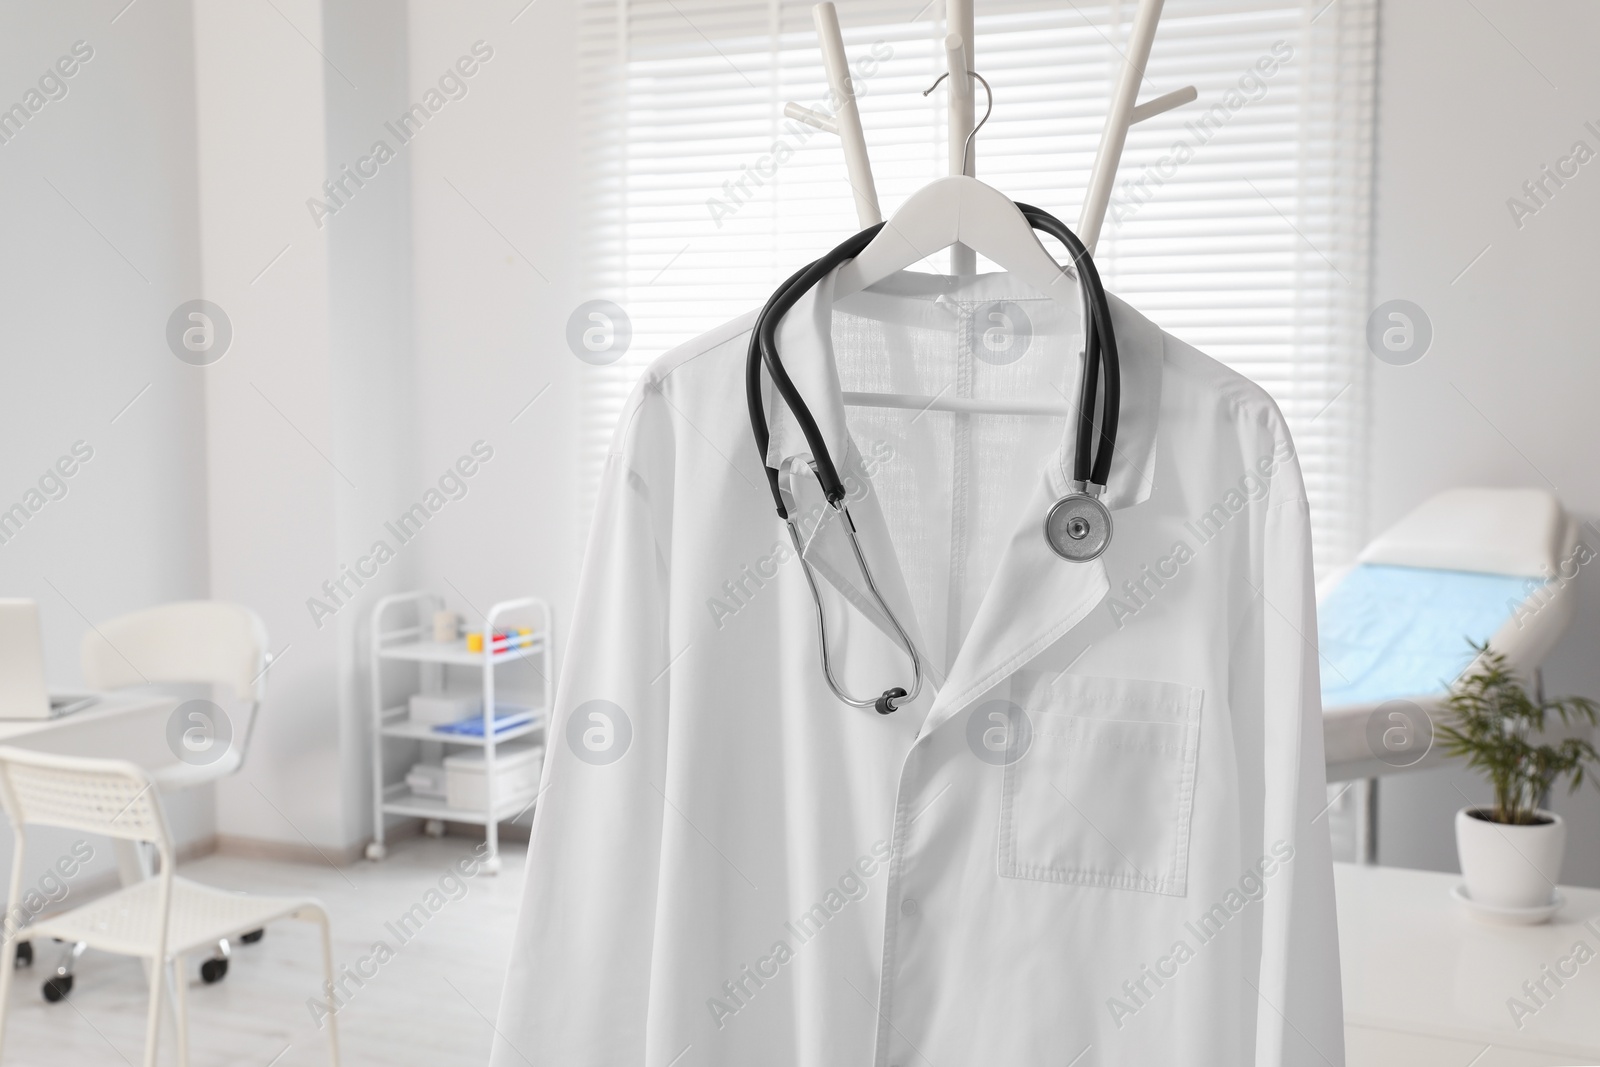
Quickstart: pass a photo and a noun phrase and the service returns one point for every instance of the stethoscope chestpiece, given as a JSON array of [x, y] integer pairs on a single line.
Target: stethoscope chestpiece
[[1078, 528]]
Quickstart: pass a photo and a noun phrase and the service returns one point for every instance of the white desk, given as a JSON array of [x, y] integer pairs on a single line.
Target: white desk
[[1427, 984], [116, 726]]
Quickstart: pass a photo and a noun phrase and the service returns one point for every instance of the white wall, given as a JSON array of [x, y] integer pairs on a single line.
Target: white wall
[[98, 246], [496, 258], [310, 415], [1470, 106], [372, 356], [420, 319], [275, 480], [191, 143], [204, 481]]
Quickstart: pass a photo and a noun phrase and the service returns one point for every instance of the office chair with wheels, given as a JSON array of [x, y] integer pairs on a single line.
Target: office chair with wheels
[[195, 642], [160, 919]]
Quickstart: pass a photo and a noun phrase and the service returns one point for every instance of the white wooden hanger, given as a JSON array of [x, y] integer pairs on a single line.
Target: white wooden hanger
[[949, 211], [953, 210]]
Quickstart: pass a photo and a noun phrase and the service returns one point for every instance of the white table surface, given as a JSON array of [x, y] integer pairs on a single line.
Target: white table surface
[[115, 726], [1416, 962]]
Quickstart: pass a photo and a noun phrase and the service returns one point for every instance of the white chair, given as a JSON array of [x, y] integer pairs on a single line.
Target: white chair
[[194, 642], [191, 642], [160, 919], [1493, 565]]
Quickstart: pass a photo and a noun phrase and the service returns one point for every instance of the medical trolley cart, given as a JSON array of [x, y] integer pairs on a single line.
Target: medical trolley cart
[[395, 639]]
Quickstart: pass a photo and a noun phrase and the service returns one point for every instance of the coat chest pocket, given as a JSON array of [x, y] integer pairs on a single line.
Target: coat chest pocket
[[1103, 794]]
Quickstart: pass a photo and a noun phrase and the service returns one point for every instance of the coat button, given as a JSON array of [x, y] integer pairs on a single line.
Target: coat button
[[908, 907]]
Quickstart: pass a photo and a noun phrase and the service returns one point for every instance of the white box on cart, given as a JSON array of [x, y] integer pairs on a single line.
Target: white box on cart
[[516, 771]]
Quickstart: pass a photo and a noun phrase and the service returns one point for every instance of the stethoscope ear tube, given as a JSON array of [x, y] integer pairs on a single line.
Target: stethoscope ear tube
[[752, 393], [764, 340], [1099, 336]]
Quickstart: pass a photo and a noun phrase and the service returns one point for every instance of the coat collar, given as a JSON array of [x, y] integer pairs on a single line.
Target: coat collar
[[805, 342], [1033, 600]]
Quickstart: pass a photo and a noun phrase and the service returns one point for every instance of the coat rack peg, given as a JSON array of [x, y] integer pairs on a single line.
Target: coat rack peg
[[959, 58], [1162, 104], [1121, 115], [961, 103], [815, 119], [847, 119]]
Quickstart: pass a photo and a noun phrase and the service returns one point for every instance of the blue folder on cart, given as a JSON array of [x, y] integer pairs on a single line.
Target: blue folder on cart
[[506, 717]]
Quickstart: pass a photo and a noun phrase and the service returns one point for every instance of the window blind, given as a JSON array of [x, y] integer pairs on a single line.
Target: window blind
[[1239, 222]]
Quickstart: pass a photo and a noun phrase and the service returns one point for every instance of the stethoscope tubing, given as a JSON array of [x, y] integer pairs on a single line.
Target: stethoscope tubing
[[752, 393], [1098, 334], [765, 335], [1100, 359]]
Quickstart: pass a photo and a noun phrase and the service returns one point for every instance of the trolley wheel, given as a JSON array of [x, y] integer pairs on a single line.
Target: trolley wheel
[[57, 988], [213, 971], [24, 954], [376, 851], [252, 936]]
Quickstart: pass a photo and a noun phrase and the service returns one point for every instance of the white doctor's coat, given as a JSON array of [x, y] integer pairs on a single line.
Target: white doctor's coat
[[1097, 838]]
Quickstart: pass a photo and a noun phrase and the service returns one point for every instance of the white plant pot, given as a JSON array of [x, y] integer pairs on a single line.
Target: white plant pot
[[1510, 866]]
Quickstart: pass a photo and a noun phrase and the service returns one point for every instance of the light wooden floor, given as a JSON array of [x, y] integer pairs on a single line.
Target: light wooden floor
[[433, 1004]]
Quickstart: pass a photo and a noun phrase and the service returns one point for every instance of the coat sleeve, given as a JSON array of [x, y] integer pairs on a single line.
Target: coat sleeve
[[1299, 1009], [577, 992]]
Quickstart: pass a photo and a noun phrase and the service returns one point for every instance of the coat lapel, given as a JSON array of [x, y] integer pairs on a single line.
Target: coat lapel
[[1036, 597]]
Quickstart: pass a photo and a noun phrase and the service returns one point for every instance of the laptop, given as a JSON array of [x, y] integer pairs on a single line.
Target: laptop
[[22, 690]]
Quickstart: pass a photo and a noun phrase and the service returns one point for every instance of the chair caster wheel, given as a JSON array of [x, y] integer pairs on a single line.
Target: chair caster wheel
[[213, 971], [57, 988], [491, 865], [24, 954], [433, 827], [375, 851], [252, 937]]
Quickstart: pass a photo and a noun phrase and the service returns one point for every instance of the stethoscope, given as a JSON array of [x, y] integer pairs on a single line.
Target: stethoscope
[[1077, 527]]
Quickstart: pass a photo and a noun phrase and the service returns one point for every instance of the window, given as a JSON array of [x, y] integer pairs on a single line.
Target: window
[[1239, 223]]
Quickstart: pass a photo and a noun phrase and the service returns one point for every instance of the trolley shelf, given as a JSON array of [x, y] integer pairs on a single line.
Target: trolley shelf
[[398, 799], [454, 653], [397, 723], [397, 637]]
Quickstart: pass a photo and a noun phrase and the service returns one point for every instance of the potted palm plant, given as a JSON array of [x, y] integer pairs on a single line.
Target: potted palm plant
[[1511, 851]]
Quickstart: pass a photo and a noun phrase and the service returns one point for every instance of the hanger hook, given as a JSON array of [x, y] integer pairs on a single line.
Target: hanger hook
[[988, 92]]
